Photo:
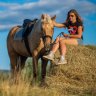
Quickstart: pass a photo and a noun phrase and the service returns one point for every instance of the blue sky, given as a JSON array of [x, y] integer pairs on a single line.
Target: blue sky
[[13, 12]]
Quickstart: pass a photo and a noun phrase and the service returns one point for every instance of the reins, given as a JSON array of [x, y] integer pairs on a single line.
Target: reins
[[58, 36]]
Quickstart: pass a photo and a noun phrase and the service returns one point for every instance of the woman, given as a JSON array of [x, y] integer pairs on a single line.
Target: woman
[[75, 28]]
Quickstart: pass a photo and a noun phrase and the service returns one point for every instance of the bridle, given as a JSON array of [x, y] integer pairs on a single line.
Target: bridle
[[44, 36]]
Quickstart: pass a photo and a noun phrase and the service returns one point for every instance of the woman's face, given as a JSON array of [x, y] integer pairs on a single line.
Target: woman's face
[[72, 17]]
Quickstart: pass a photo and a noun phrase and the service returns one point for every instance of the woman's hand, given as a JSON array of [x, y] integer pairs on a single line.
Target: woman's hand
[[65, 35]]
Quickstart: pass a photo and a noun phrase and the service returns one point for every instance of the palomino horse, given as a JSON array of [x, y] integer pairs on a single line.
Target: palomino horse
[[39, 40]]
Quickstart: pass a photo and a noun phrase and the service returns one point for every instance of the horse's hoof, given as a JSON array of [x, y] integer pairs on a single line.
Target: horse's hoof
[[34, 82], [43, 85]]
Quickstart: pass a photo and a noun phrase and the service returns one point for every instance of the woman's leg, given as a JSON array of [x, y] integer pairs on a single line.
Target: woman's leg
[[62, 48], [56, 45], [50, 56], [63, 43]]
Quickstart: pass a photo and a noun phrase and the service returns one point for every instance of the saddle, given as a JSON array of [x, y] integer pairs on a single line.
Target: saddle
[[27, 26], [24, 30]]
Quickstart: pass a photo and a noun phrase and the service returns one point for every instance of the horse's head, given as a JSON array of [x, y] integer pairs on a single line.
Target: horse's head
[[47, 25]]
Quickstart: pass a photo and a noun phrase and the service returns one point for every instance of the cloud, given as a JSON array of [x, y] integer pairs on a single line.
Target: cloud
[[6, 27], [15, 13]]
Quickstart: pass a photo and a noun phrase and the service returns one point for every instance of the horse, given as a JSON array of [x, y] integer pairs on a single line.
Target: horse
[[39, 41]]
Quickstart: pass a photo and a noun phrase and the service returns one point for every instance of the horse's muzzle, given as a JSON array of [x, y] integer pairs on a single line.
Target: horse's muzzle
[[47, 48], [47, 42]]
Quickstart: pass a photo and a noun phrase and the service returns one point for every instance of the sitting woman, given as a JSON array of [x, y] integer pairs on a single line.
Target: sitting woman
[[75, 28]]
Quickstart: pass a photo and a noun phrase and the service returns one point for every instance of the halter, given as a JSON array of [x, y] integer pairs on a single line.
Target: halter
[[59, 35], [44, 36], [47, 36], [47, 49]]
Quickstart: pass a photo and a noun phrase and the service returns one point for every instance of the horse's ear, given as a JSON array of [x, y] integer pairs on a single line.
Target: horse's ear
[[42, 16], [54, 17]]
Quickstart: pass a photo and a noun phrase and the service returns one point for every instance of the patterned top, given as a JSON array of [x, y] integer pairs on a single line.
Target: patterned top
[[73, 27]]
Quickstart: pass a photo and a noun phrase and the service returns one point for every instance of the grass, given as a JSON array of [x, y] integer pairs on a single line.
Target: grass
[[77, 78]]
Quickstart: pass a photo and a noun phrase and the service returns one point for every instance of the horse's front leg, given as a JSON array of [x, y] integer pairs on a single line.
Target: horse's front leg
[[43, 73], [35, 66]]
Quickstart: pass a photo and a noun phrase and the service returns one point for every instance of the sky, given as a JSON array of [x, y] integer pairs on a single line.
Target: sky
[[13, 12]]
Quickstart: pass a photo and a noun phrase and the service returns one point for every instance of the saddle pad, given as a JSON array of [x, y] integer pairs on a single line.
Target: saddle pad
[[19, 34]]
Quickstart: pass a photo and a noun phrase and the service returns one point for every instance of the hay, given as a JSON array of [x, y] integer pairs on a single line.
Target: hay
[[78, 76]]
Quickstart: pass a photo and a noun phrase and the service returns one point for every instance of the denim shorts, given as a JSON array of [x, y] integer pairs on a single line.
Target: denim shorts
[[80, 41]]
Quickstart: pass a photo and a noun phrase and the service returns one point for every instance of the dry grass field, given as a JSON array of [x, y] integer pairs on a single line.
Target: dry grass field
[[76, 78]]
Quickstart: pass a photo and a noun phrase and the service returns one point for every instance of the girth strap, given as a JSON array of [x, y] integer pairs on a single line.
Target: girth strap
[[27, 45], [28, 30]]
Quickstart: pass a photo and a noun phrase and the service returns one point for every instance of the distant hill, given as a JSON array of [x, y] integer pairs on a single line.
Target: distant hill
[[4, 71], [4, 74]]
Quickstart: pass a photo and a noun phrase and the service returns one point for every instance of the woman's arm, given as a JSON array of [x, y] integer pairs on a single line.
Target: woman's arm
[[59, 25]]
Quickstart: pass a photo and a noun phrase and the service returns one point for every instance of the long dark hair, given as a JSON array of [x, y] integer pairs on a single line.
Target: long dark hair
[[78, 18]]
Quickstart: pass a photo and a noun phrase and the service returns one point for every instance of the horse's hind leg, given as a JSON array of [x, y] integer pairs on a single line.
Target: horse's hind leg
[[14, 65], [22, 63]]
